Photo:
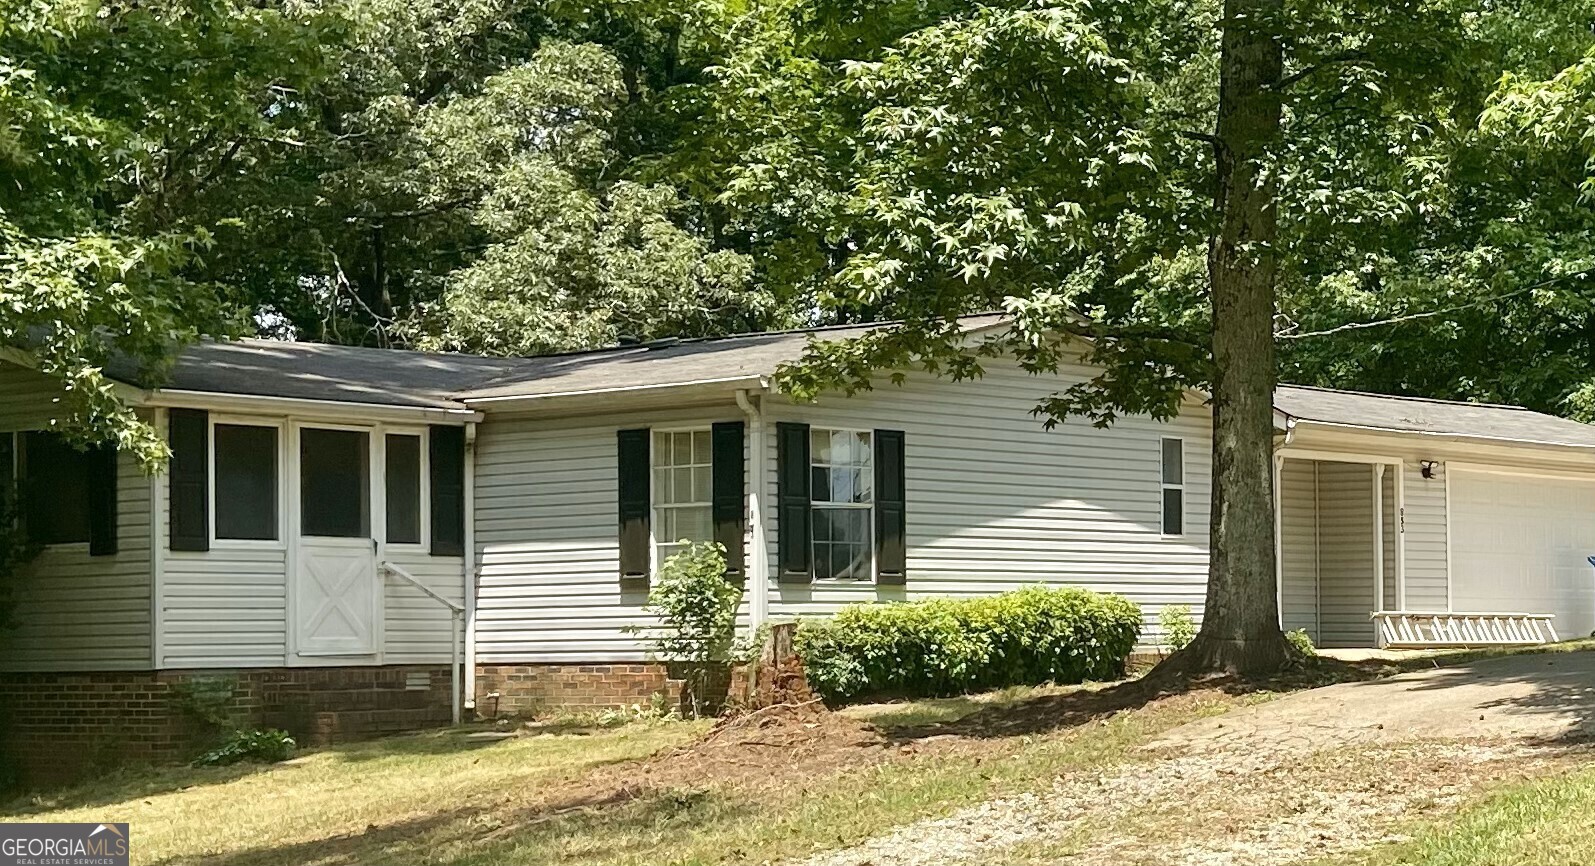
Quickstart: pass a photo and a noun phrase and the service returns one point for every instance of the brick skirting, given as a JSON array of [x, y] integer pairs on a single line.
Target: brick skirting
[[56, 727], [538, 688]]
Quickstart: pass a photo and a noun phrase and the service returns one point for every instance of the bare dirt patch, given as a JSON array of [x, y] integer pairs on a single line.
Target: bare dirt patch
[[770, 744]]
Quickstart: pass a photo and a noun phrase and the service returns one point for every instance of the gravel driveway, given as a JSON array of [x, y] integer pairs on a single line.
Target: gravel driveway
[[1310, 774]]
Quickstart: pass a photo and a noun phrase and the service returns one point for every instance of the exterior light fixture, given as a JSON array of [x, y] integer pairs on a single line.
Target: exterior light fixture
[[1427, 467]]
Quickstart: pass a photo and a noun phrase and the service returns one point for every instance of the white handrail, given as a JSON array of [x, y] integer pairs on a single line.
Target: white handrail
[[411, 579], [456, 614]]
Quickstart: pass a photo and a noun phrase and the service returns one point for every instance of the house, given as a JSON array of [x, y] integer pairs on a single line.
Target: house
[[351, 540]]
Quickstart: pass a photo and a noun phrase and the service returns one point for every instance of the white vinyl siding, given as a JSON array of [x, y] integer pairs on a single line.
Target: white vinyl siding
[[1298, 512], [997, 502], [546, 533], [1346, 554], [415, 628], [1425, 537], [80, 612], [228, 607]]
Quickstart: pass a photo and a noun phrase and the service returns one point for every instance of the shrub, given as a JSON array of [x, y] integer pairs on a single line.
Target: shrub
[[1298, 638], [267, 747], [1178, 627], [697, 611], [950, 646]]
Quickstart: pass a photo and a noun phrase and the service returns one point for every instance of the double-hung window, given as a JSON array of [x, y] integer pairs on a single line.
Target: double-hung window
[[1173, 485], [683, 467], [842, 482]]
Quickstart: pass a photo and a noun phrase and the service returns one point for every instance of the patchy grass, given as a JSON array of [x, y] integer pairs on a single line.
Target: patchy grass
[[1545, 822], [581, 792], [224, 815], [441, 799]]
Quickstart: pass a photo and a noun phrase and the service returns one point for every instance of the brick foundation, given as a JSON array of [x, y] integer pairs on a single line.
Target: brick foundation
[[538, 688], [62, 726]]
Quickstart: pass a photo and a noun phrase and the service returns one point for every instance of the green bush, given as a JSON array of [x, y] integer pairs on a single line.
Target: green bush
[[697, 611], [1179, 629], [266, 747], [1298, 638], [949, 646]]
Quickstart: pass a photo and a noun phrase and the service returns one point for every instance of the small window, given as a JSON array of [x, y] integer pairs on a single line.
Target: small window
[[683, 465], [403, 476], [246, 482], [1173, 487], [843, 496], [335, 483], [55, 478]]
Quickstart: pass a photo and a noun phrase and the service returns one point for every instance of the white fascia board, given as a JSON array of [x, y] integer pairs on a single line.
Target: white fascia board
[[516, 401], [344, 410], [1459, 438]]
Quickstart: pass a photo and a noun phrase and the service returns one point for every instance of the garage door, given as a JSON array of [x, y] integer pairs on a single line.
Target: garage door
[[1521, 545]]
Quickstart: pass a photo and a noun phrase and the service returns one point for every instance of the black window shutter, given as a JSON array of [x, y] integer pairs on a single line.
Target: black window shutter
[[8, 466], [189, 435], [10, 479], [102, 501], [792, 492], [729, 506], [446, 455], [635, 503], [891, 509]]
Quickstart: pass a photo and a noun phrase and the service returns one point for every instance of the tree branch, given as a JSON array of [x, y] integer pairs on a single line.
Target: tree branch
[[1349, 58]]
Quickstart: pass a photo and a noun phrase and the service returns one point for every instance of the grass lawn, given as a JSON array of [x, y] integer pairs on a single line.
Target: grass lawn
[[1546, 822], [438, 799]]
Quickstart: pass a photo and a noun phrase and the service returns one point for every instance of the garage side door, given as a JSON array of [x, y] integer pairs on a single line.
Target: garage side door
[[1520, 544]]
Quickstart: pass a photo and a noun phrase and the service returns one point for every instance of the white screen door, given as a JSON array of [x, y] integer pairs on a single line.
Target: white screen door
[[336, 592]]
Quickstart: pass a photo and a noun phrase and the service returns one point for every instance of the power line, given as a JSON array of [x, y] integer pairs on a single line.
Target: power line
[[1429, 314]]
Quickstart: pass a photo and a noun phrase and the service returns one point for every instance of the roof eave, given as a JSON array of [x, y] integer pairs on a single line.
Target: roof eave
[[254, 403], [1446, 436], [577, 400]]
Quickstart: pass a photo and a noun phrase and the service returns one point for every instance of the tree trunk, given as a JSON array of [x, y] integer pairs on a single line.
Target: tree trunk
[[1240, 629]]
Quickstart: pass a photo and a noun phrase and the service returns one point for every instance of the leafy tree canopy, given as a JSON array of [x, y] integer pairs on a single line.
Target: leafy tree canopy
[[1055, 159], [118, 124]]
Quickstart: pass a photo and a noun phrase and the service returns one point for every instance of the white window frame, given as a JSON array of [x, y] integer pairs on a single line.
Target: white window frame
[[383, 432], [280, 425], [1164, 486], [655, 506], [869, 523]]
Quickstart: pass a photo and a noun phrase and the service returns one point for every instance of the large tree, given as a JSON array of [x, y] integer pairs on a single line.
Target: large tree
[[116, 125], [1145, 176]]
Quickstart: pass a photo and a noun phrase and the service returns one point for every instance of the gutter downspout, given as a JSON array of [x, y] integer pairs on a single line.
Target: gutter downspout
[[759, 568], [469, 569], [1279, 521]]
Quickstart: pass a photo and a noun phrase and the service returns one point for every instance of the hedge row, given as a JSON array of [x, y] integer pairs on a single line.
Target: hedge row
[[950, 646]]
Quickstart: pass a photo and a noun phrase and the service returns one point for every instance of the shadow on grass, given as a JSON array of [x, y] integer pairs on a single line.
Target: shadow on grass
[[1046, 713], [609, 826], [138, 781], [132, 782]]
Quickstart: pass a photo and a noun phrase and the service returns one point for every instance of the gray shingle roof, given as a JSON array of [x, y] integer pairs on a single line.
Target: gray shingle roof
[[315, 371], [657, 365], [389, 377], [1442, 417]]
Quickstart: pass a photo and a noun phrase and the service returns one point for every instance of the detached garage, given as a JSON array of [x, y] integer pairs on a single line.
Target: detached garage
[[1393, 505]]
